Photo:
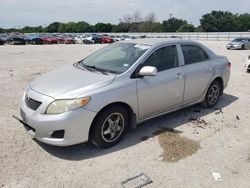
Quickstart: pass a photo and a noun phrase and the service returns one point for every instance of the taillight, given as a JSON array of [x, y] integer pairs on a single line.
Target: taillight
[[229, 65]]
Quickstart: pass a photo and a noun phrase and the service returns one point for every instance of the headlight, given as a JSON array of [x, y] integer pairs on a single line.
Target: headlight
[[60, 106]]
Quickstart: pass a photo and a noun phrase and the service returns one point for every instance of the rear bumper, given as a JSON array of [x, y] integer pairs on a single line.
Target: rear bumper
[[75, 124]]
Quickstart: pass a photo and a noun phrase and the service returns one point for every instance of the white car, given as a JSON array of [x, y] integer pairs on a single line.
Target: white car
[[79, 39], [247, 66]]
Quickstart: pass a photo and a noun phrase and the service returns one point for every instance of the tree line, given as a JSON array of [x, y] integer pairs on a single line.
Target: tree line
[[215, 21]]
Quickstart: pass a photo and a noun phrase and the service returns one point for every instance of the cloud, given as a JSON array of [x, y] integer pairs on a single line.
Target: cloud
[[15, 13]]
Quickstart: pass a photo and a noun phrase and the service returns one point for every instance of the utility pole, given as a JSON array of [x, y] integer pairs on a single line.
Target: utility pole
[[170, 16]]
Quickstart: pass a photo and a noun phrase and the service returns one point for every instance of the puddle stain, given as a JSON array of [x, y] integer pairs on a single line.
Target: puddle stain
[[176, 147]]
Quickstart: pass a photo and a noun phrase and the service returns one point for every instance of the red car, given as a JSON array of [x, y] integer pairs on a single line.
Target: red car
[[106, 39], [66, 40], [49, 40]]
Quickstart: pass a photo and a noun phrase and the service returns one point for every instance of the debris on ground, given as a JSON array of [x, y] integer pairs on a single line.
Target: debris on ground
[[217, 176], [165, 129], [137, 181], [176, 147], [234, 171], [218, 111], [237, 117], [198, 122]]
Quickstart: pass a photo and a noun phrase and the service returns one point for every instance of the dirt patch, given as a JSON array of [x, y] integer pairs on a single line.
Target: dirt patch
[[176, 147]]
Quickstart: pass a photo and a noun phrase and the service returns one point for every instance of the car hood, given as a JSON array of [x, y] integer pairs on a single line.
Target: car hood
[[70, 82], [235, 43]]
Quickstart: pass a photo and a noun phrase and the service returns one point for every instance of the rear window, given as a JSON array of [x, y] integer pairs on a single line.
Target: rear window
[[193, 54]]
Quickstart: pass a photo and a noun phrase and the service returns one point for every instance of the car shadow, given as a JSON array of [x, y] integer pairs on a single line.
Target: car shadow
[[143, 131]]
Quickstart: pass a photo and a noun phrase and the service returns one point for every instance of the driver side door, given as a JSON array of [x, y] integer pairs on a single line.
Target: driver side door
[[160, 93]]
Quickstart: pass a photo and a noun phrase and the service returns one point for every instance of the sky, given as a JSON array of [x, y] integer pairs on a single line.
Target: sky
[[20, 13]]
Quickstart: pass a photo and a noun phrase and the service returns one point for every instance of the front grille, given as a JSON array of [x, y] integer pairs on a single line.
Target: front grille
[[31, 103]]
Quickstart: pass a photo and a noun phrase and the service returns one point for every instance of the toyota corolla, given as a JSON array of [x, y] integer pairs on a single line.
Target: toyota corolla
[[100, 97]]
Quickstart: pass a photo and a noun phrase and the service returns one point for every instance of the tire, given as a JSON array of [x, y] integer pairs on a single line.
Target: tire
[[213, 94], [243, 47], [109, 127]]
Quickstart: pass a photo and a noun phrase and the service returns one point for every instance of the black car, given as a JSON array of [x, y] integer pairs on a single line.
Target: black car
[[2, 41], [97, 38], [16, 40], [34, 41]]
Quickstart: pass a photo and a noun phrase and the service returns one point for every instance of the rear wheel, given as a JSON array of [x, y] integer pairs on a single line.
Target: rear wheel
[[213, 94], [243, 47], [109, 127]]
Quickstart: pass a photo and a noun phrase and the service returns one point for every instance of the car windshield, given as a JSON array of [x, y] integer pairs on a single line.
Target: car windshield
[[116, 57], [239, 40]]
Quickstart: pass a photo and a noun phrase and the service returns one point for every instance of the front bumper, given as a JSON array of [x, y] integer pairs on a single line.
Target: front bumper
[[247, 66], [75, 124], [232, 46]]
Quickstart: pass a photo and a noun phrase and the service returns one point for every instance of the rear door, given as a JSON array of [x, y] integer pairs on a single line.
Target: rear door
[[199, 71], [164, 91]]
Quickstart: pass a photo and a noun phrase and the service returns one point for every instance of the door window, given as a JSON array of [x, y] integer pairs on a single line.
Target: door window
[[163, 58], [193, 54]]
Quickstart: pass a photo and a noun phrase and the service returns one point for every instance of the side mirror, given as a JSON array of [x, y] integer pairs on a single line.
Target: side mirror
[[148, 71]]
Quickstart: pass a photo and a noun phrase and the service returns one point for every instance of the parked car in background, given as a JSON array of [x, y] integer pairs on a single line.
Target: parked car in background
[[96, 38], [49, 40], [15, 40], [247, 66], [92, 39], [33, 39], [239, 43], [116, 38], [106, 39], [66, 40], [100, 97], [88, 40], [3, 37], [2, 42], [79, 39]]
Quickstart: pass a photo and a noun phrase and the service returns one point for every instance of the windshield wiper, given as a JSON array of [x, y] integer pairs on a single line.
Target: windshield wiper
[[91, 68]]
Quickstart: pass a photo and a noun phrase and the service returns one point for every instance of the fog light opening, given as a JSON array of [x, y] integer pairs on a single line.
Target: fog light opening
[[58, 134]]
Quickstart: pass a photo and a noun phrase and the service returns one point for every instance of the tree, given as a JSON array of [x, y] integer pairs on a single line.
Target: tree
[[82, 27], [186, 28], [242, 22], [103, 27], [120, 28], [218, 21], [28, 29], [172, 24], [53, 27]]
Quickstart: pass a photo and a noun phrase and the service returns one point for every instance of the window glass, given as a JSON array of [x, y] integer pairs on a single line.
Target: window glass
[[164, 58], [117, 57], [193, 54]]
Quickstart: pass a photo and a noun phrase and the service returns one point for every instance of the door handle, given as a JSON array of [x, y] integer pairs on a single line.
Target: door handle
[[179, 75], [210, 68]]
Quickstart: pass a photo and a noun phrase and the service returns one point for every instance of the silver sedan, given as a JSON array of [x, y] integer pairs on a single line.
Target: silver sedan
[[100, 97], [239, 43]]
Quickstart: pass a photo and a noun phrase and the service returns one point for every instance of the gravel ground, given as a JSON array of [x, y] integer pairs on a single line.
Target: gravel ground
[[180, 149]]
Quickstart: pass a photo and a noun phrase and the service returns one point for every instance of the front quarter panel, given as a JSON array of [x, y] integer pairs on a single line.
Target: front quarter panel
[[120, 90]]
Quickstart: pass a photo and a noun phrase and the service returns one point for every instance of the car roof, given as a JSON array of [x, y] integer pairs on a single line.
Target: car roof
[[159, 41]]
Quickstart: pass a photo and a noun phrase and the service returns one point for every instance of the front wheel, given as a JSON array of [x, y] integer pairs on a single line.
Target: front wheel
[[109, 127], [213, 94]]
